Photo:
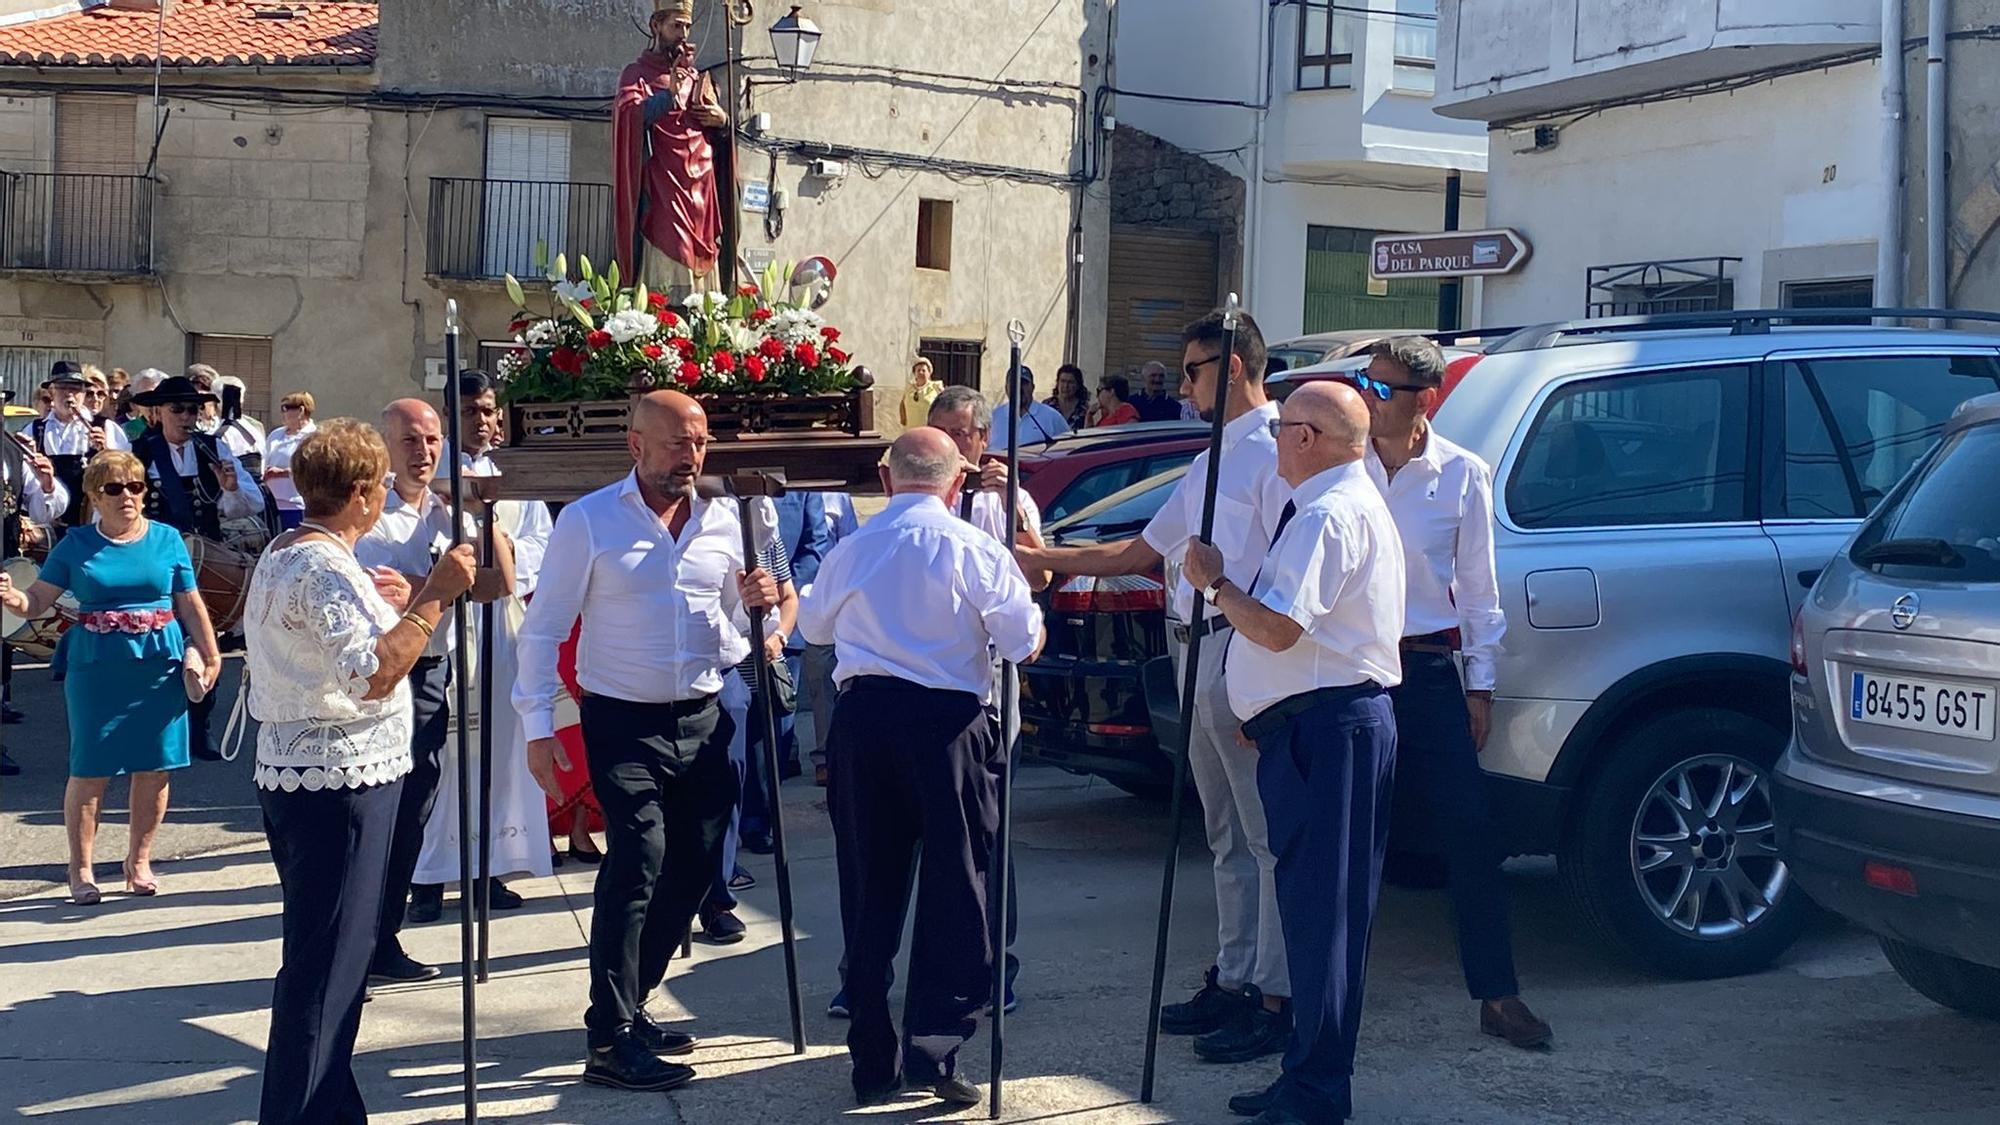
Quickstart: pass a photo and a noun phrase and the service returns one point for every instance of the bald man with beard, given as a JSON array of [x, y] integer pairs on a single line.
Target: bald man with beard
[[412, 533], [1308, 674], [656, 574]]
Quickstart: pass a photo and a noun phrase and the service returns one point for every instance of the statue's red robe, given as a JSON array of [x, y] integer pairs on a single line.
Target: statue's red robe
[[663, 167]]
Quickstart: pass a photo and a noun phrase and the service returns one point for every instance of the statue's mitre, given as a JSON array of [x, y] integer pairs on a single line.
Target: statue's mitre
[[682, 9]]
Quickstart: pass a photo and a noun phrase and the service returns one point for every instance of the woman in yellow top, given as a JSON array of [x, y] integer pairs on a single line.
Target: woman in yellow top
[[918, 397]]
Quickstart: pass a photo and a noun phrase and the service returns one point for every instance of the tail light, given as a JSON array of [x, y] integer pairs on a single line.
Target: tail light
[[1799, 643], [1453, 372], [1128, 593]]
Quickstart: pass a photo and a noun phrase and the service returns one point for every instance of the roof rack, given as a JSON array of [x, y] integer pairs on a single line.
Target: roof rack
[[1740, 322]]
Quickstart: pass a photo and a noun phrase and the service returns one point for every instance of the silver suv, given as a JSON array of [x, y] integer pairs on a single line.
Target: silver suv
[[1889, 797], [1667, 490]]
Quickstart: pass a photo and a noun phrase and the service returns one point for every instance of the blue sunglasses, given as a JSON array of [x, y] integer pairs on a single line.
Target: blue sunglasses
[[1381, 390]]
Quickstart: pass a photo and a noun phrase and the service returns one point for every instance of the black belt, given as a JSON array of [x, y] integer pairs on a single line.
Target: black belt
[[1444, 642], [1273, 718], [1209, 627], [895, 683], [675, 708]]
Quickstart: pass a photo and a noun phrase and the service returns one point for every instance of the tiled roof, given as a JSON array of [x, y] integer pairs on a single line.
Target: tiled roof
[[199, 33]]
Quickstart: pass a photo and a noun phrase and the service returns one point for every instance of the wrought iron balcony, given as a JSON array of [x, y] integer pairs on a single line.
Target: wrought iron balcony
[[72, 222], [482, 229]]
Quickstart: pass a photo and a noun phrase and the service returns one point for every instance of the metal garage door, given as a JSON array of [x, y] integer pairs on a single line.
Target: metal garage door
[[1160, 281]]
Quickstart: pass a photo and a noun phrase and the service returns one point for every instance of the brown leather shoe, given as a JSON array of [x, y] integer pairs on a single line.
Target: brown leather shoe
[[1511, 1020]]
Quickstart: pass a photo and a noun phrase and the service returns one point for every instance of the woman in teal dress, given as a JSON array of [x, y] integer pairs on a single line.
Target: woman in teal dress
[[140, 648]]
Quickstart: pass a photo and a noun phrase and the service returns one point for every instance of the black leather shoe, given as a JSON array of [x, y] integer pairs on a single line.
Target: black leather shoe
[[502, 898], [1211, 1009], [1264, 1032], [627, 1065], [660, 1039], [721, 927], [203, 752], [1250, 1105], [957, 1091], [398, 967], [426, 904]]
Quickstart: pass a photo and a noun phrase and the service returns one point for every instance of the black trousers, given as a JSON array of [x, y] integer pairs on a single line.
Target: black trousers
[[331, 848], [1441, 794], [913, 779], [430, 704], [662, 775], [1326, 778], [198, 714]]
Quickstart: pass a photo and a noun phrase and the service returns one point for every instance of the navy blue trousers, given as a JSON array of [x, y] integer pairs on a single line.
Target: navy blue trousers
[[1441, 797], [1327, 778], [430, 705]]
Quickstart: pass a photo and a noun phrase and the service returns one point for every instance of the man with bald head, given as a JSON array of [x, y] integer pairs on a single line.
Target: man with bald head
[[911, 604], [1308, 674], [412, 533], [656, 575]]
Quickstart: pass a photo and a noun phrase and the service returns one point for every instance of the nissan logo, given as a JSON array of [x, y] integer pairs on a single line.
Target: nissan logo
[[1903, 611]]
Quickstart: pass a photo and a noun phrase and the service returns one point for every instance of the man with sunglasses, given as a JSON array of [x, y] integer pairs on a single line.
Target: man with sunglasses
[[1442, 499], [70, 435], [1242, 1010]]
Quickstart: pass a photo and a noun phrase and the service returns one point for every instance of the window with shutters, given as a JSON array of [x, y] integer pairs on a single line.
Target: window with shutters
[[955, 363], [95, 203], [527, 193], [246, 357], [934, 234]]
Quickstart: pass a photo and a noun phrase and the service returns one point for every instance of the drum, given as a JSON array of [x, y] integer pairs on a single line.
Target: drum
[[222, 575], [35, 639]]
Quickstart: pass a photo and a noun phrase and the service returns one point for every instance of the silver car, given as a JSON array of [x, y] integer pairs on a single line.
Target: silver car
[[1666, 492], [1889, 797]]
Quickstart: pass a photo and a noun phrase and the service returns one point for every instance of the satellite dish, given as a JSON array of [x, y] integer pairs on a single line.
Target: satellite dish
[[815, 275]]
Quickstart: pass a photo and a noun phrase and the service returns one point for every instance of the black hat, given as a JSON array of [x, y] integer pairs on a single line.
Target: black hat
[[175, 388], [65, 373]]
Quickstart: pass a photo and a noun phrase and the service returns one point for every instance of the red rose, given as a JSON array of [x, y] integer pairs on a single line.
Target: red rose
[[690, 373], [652, 351], [657, 302], [567, 360], [667, 319], [761, 314], [686, 345], [723, 361], [520, 323], [772, 348], [747, 291], [806, 354], [598, 339], [830, 333], [836, 354], [754, 365]]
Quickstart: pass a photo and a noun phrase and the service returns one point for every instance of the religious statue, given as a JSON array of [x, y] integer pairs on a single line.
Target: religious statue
[[669, 214]]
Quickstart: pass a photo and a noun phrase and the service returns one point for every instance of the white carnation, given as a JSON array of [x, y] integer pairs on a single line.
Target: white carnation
[[630, 325], [541, 334]]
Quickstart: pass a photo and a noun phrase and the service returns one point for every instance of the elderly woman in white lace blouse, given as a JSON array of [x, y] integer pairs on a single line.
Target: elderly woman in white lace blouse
[[330, 647]]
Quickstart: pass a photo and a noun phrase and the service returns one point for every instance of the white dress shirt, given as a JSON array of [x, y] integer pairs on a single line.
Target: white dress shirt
[[1337, 571], [411, 538], [1443, 505], [247, 500], [278, 450], [243, 437], [1041, 424], [840, 519], [1248, 499], [989, 513], [72, 438], [43, 507], [657, 609], [920, 595]]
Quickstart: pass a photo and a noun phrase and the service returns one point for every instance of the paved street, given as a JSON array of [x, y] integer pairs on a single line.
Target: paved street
[[141, 1011]]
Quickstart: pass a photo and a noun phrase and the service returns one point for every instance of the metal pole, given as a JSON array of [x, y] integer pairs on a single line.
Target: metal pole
[[1937, 220], [1889, 244], [1189, 665], [732, 214], [1449, 290], [462, 653], [1017, 332], [766, 712], [486, 619]]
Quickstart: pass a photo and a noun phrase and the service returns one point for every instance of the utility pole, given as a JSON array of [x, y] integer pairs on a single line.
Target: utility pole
[[1450, 288]]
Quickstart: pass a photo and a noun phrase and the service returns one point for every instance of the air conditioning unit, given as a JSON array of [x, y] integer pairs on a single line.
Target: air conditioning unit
[[826, 169]]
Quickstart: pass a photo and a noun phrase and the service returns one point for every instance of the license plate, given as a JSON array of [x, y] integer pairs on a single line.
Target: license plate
[[1958, 710]]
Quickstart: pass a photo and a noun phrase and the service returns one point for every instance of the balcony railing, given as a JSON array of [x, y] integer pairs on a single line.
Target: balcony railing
[[483, 229], [76, 222]]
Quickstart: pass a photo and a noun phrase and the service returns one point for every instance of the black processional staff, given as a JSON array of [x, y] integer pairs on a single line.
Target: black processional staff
[[1193, 659], [484, 885], [461, 672], [748, 486], [1009, 702]]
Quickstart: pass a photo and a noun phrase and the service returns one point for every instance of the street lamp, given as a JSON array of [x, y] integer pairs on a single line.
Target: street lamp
[[794, 38]]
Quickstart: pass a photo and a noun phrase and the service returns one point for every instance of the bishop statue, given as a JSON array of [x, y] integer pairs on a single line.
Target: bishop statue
[[669, 214]]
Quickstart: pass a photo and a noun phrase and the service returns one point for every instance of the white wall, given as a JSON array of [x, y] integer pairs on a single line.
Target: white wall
[[1791, 163]]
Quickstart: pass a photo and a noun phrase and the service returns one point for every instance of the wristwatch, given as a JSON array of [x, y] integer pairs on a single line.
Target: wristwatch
[[1213, 590]]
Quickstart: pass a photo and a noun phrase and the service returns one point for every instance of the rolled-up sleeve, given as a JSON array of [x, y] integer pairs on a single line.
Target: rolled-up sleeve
[[247, 500], [819, 606], [1476, 583], [1013, 620], [44, 507], [565, 580]]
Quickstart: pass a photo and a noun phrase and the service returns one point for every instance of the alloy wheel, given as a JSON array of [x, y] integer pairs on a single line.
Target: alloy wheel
[[1705, 848]]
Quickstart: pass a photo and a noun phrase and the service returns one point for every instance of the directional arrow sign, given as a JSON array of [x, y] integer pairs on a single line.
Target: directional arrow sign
[[1458, 253]]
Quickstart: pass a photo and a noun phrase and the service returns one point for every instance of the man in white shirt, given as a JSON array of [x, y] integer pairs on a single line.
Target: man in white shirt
[[656, 574], [28, 487], [1442, 499], [69, 436], [1040, 423], [1307, 670], [914, 605], [1241, 1010], [243, 434], [413, 531]]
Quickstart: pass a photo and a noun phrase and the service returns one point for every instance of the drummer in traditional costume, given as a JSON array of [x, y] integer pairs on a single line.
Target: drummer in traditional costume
[[70, 435], [520, 822], [197, 485], [30, 491], [669, 217], [141, 647]]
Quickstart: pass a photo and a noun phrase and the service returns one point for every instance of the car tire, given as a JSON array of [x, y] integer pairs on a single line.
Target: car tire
[[1691, 908], [1961, 985]]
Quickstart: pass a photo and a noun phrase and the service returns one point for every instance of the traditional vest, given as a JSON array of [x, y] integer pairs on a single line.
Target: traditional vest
[[187, 503]]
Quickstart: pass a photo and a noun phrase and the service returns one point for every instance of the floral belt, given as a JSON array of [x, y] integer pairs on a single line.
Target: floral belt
[[126, 620]]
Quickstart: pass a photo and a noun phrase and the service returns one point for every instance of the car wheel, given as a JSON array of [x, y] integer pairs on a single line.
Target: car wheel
[[1968, 987], [1674, 855]]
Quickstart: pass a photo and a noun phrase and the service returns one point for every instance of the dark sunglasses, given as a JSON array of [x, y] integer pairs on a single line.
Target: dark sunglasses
[[123, 488], [1381, 390], [1277, 426], [181, 408], [1193, 370]]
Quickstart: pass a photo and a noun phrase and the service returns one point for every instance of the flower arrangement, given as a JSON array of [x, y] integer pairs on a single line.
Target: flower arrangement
[[598, 340]]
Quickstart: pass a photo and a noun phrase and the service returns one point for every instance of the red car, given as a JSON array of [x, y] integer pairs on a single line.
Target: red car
[[1078, 469]]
